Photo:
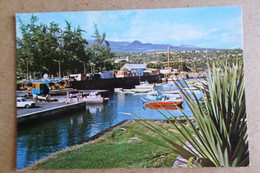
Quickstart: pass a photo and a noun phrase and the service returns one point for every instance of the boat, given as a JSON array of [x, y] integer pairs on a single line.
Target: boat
[[128, 90], [145, 85], [191, 82], [162, 107], [94, 97], [164, 100], [172, 78], [171, 92], [167, 102], [158, 84], [153, 93], [41, 98], [142, 90], [118, 89]]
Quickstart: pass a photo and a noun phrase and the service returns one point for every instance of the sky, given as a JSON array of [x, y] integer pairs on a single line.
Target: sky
[[208, 27]]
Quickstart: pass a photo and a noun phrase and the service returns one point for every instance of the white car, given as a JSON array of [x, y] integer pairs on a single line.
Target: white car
[[23, 102]]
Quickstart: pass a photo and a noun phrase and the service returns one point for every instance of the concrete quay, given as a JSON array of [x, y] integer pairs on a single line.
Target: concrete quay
[[48, 110]]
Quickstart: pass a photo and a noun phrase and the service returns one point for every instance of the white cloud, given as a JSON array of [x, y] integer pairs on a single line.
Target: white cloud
[[161, 32]]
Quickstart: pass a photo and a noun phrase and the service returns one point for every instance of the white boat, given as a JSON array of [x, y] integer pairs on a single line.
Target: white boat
[[145, 85], [118, 89], [158, 84], [94, 97]]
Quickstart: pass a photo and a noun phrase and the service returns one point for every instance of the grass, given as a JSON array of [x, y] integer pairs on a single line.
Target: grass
[[117, 149]]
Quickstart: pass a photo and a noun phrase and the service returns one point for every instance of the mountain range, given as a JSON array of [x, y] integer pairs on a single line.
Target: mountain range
[[137, 46]]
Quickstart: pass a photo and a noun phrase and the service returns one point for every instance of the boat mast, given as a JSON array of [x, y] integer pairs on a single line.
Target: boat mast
[[168, 57]]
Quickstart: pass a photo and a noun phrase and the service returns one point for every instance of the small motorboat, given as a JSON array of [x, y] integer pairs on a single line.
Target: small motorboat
[[153, 93], [167, 102], [145, 85], [94, 97], [162, 107]]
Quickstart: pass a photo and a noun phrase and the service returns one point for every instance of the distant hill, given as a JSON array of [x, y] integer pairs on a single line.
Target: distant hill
[[137, 46]]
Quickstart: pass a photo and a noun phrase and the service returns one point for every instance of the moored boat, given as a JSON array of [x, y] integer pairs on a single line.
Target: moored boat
[[142, 90], [191, 82], [170, 102], [145, 85], [162, 107], [94, 97], [166, 100]]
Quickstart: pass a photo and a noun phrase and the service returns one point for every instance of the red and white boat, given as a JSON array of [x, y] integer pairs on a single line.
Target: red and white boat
[[169, 102]]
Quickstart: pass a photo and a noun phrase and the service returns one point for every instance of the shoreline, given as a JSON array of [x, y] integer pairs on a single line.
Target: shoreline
[[95, 138], [90, 140]]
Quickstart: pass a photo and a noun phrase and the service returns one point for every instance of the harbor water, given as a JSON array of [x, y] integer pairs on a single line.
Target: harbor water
[[38, 140]]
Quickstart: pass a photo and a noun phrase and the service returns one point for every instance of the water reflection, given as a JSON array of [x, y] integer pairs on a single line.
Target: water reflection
[[93, 109]]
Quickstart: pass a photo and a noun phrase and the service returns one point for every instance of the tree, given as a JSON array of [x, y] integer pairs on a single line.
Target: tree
[[74, 48], [41, 44], [118, 65], [102, 54]]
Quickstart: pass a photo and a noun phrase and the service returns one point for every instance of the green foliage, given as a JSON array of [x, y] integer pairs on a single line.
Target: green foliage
[[155, 66], [219, 135], [102, 52], [116, 149], [118, 65], [41, 44]]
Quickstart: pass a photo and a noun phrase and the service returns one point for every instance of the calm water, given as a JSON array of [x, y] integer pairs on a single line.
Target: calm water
[[36, 141]]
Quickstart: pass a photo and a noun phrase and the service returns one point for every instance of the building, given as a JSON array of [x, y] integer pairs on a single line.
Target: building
[[131, 70]]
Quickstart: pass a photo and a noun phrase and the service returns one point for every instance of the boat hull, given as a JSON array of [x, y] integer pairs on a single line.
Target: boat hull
[[164, 103], [144, 87], [162, 107]]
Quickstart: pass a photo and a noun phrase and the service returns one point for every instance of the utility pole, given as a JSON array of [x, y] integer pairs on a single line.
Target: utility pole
[[207, 56], [27, 73], [59, 67], [168, 57]]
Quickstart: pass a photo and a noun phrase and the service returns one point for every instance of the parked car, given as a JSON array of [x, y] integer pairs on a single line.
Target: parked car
[[23, 102]]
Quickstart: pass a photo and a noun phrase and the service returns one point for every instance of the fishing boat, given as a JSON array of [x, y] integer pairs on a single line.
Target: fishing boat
[[94, 97]]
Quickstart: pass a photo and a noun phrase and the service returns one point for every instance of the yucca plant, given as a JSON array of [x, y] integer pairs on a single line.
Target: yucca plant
[[218, 136]]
